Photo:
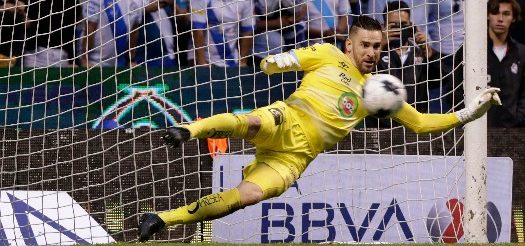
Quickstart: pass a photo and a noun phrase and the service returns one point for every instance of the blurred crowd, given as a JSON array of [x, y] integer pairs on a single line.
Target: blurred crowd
[[423, 39]]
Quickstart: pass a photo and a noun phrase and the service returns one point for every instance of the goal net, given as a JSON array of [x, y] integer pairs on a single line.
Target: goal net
[[87, 88]]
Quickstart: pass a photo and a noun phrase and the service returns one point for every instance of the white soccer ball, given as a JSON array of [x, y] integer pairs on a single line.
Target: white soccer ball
[[383, 95]]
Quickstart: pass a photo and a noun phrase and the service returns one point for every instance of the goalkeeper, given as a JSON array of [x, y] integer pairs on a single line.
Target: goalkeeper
[[289, 134]]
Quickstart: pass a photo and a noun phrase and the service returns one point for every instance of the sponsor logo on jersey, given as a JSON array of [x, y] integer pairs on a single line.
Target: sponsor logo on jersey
[[312, 48], [345, 79], [343, 65], [347, 104]]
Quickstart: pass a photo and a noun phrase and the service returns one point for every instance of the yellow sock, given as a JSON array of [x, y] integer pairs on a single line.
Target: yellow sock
[[219, 126], [206, 208]]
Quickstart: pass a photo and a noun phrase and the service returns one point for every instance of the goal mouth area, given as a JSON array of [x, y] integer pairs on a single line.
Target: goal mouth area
[[88, 87]]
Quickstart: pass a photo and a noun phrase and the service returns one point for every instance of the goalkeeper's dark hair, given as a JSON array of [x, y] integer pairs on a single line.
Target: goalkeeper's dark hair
[[366, 23]]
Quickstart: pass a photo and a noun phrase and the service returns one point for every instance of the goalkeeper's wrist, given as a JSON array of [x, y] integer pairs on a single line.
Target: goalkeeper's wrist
[[464, 115]]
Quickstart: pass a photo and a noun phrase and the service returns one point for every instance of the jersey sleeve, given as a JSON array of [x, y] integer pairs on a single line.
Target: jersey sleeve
[[309, 58], [425, 123]]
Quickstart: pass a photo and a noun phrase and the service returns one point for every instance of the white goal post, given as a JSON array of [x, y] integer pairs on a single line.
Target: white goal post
[[475, 215]]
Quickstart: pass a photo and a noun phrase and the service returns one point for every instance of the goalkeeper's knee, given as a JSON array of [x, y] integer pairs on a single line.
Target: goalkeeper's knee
[[250, 193]]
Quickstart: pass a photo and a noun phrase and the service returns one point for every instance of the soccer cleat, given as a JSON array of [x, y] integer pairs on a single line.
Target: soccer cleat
[[175, 136], [149, 225]]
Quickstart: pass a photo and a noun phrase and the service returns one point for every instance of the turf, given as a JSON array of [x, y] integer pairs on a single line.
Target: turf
[[304, 244]]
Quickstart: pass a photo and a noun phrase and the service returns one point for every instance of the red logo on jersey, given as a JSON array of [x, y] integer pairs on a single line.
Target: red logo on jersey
[[347, 104]]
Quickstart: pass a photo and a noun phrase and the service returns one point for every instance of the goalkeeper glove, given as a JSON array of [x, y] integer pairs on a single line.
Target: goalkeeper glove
[[283, 60], [479, 106]]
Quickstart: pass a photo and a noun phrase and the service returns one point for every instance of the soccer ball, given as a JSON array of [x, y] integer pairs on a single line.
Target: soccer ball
[[383, 95]]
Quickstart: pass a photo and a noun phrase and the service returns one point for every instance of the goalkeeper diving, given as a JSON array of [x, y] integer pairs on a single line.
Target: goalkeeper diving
[[289, 134]]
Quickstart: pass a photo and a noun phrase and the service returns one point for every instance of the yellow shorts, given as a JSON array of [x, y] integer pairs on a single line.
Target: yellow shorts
[[281, 145]]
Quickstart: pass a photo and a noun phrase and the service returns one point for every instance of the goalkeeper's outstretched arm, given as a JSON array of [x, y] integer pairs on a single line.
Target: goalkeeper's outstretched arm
[[302, 59], [427, 123]]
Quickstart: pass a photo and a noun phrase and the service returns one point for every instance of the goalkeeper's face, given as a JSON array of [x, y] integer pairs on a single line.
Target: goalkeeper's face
[[363, 48]]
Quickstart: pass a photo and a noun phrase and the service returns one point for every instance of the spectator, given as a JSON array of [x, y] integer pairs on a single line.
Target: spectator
[[328, 21], [443, 21], [357, 8], [110, 36], [279, 27], [506, 64], [407, 56], [417, 9], [183, 30], [13, 25], [517, 28], [51, 39], [216, 26], [446, 31], [158, 45], [446, 25]]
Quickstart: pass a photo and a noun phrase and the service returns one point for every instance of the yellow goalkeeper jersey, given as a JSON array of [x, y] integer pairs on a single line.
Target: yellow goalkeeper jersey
[[329, 101]]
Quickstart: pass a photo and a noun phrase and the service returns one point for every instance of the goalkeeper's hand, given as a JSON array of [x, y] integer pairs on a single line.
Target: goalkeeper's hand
[[479, 106], [282, 61]]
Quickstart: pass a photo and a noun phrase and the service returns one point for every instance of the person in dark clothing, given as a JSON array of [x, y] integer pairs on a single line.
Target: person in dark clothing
[[407, 56], [506, 64], [516, 30], [51, 38], [158, 44], [13, 25]]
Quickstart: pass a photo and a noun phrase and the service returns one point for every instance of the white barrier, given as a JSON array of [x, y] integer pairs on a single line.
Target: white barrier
[[46, 218], [365, 198]]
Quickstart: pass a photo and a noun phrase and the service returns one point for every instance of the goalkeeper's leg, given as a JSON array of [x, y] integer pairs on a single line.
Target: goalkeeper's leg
[[260, 183], [217, 126]]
